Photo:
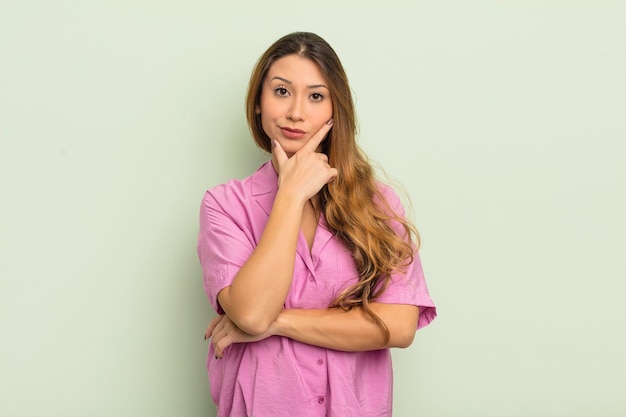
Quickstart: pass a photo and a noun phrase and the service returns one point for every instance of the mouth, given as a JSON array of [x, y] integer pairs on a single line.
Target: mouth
[[292, 133]]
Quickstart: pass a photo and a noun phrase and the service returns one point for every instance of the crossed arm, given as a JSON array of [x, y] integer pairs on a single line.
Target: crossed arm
[[330, 328], [254, 302]]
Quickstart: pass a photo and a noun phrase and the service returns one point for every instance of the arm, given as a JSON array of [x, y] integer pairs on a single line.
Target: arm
[[258, 291], [331, 328], [352, 330]]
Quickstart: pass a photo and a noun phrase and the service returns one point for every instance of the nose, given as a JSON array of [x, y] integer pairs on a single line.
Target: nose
[[296, 110]]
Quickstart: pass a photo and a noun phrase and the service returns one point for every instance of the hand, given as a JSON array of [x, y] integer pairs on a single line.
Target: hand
[[223, 333], [307, 171]]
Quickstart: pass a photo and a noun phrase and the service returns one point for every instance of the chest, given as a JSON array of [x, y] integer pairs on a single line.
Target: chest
[[323, 268]]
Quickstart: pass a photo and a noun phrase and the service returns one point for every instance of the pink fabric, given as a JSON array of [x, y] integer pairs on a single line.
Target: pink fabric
[[279, 376]]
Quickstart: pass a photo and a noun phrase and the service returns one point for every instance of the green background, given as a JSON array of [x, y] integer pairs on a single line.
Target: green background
[[503, 120]]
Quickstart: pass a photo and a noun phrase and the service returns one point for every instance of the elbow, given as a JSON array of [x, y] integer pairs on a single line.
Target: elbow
[[403, 338], [404, 327], [253, 324], [401, 322], [252, 320]]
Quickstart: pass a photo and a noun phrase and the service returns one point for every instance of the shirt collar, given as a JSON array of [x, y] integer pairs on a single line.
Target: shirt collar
[[265, 180]]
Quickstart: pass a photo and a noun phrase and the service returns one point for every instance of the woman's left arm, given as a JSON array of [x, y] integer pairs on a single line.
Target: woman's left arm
[[331, 328], [351, 330]]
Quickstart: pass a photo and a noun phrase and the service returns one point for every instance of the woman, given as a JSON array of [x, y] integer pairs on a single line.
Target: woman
[[309, 262]]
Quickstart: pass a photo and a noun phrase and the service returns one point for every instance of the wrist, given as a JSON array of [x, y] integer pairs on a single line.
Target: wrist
[[291, 196], [276, 328]]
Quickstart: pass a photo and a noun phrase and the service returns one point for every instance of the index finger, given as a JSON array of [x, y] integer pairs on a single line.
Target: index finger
[[212, 325], [315, 140]]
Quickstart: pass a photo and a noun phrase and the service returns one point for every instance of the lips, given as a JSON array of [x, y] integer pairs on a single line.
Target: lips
[[290, 133]]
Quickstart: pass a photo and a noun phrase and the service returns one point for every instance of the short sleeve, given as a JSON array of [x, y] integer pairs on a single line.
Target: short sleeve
[[409, 286], [224, 244]]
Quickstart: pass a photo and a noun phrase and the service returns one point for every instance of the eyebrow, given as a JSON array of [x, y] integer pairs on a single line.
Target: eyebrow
[[286, 81]]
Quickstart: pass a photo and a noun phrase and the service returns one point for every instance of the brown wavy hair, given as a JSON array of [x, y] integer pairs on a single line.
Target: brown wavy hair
[[353, 204]]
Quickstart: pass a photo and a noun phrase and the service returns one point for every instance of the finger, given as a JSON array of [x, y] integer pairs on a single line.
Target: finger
[[279, 153], [222, 338], [215, 341], [211, 326], [333, 174], [220, 346], [315, 140]]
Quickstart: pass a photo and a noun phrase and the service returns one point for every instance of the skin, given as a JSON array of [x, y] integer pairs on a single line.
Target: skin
[[295, 96]]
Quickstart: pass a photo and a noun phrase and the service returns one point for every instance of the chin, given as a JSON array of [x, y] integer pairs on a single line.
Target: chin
[[290, 147]]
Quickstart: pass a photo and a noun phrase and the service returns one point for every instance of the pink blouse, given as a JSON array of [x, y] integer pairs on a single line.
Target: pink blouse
[[279, 376]]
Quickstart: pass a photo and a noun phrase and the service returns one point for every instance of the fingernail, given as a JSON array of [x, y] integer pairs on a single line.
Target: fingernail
[[216, 357], [273, 143], [329, 122]]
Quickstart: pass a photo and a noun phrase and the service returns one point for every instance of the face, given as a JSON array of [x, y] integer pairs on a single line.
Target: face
[[295, 102]]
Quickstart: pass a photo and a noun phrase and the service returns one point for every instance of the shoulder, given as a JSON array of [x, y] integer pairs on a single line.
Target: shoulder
[[237, 192], [229, 192], [388, 198]]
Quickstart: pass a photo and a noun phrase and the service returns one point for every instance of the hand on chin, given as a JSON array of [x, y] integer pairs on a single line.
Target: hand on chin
[[291, 146]]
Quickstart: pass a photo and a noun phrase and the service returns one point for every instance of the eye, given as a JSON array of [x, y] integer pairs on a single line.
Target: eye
[[281, 91], [317, 96]]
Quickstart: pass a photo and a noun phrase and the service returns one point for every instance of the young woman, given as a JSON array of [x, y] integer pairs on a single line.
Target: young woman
[[309, 262]]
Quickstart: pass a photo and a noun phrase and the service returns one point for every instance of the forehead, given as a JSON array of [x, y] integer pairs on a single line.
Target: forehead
[[297, 69]]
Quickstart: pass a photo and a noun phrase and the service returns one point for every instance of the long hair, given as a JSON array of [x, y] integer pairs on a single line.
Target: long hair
[[353, 204]]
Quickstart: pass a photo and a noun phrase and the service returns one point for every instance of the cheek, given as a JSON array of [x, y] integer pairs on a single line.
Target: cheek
[[271, 109], [329, 111], [265, 123], [324, 114], [267, 112]]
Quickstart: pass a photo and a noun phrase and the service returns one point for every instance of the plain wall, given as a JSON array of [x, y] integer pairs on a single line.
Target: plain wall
[[504, 122]]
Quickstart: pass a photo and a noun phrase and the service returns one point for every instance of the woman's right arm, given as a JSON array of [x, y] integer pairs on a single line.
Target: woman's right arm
[[257, 294]]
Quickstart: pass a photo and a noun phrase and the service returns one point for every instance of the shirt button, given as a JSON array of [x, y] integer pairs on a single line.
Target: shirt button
[[320, 361], [311, 279], [320, 400]]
